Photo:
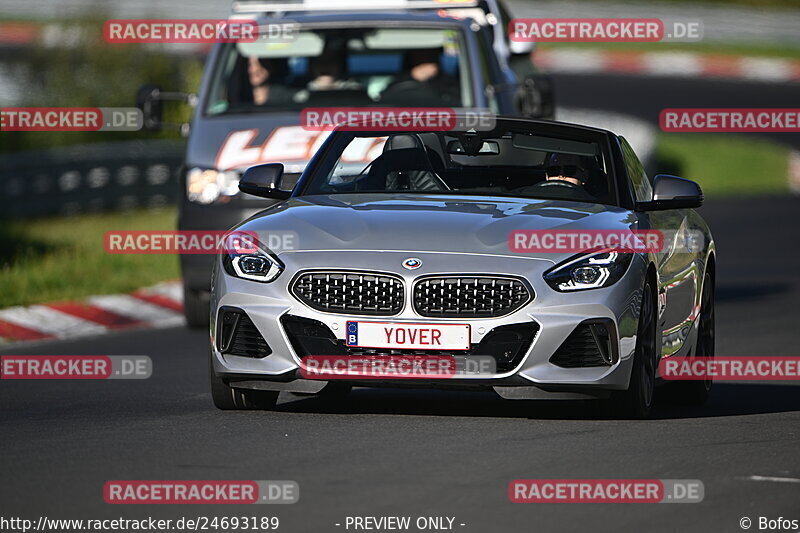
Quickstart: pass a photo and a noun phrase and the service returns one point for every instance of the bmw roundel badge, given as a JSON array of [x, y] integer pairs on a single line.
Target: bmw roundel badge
[[412, 263]]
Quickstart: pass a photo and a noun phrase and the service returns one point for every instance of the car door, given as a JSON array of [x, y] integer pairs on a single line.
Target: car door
[[678, 265]]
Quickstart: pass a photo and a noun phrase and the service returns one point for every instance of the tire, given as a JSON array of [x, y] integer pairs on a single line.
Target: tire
[[637, 401], [230, 399], [195, 308], [696, 393]]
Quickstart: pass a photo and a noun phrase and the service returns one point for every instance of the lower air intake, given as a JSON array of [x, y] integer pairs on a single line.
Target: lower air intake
[[237, 335], [593, 343]]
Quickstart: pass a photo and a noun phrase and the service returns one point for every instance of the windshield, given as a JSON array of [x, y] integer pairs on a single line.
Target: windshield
[[356, 67], [513, 163]]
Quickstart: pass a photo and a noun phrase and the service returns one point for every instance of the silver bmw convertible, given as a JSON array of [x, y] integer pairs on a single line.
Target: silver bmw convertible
[[504, 256]]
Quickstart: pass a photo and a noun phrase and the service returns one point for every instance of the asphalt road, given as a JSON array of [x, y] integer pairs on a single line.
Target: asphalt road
[[414, 453]]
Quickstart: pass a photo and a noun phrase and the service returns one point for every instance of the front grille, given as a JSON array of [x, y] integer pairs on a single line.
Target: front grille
[[591, 344], [469, 296], [506, 344], [353, 293], [237, 335]]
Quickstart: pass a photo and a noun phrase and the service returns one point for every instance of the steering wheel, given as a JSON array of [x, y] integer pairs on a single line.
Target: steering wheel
[[560, 187], [560, 183]]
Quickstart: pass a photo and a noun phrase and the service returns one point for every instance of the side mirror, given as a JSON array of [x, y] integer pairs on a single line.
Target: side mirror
[[672, 192], [536, 97], [264, 181], [149, 99]]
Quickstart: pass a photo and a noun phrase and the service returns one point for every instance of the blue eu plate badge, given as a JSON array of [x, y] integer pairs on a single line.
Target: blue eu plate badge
[[352, 333]]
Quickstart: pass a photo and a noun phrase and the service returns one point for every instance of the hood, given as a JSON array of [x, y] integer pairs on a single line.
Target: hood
[[435, 223]]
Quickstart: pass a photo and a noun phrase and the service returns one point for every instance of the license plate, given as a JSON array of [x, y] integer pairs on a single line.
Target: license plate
[[393, 335]]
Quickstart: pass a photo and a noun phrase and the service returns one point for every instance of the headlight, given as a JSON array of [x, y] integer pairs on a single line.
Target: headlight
[[252, 261], [592, 271], [206, 186]]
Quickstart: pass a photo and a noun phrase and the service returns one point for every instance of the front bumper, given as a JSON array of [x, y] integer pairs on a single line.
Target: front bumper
[[533, 374]]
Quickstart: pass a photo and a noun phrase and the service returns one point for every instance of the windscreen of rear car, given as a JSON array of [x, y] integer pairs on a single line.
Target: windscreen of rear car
[[356, 67], [511, 164]]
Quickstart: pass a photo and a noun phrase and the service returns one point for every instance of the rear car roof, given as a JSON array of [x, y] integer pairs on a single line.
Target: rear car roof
[[316, 6], [404, 18]]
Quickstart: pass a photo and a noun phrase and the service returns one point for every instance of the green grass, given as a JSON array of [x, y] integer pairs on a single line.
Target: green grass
[[725, 164], [54, 259], [767, 50]]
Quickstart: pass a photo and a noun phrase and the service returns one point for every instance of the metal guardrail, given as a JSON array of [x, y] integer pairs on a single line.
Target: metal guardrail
[[90, 178]]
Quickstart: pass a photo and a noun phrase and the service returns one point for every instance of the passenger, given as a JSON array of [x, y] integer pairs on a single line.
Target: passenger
[[327, 73], [424, 65], [424, 82], [262, 72]]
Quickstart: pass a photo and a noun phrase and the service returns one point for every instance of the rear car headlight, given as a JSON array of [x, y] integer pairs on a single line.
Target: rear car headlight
[[588, 271], [206, 186], [252, 261]]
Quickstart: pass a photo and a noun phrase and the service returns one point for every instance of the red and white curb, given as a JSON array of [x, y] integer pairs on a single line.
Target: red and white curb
[[160, 306], [680, 64]]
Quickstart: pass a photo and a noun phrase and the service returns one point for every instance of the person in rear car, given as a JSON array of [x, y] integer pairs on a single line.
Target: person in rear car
[[262, 73], [424, 83], [327, 73]]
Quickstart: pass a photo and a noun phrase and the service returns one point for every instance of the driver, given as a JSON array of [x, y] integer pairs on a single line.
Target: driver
[[566, 167], [262, 73], [566, 177]]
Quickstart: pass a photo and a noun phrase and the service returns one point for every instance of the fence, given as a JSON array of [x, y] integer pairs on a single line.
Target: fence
[[90, 178]]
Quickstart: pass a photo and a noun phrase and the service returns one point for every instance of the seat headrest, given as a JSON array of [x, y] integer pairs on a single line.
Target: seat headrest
[[401, 142]]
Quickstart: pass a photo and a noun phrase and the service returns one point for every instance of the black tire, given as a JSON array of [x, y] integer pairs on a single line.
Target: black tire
[[335, 391], [230, 399], [695, 393], [637, 401], [196, 308]]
